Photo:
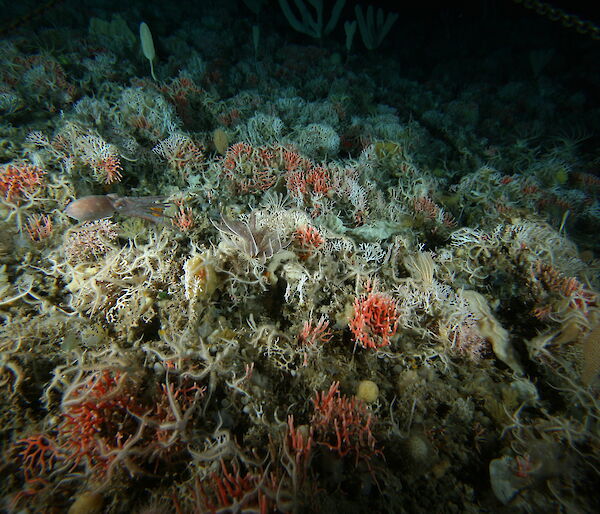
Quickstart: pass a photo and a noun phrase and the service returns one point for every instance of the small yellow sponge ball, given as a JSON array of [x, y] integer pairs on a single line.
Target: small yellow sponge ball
[[367, 391], [87, 503]]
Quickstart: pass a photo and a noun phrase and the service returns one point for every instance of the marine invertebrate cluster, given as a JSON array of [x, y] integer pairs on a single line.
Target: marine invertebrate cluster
[[39, 227], [375, 320], [249, 285], [107, 424], [19, 180], [90, 241], [75, 146], [343, 425], [181, 153], [258, 243]]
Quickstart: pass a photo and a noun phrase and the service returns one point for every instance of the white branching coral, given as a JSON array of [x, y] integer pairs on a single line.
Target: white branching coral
[[124, 283], [90, 241]]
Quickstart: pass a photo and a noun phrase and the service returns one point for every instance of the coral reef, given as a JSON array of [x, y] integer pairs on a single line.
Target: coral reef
[[267, 281]]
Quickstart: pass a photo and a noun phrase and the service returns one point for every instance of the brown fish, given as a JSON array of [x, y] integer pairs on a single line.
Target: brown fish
[[94, 207], [90, 208]]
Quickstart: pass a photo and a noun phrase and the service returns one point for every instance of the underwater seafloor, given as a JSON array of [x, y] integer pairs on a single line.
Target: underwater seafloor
[[274, 274]]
